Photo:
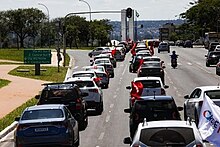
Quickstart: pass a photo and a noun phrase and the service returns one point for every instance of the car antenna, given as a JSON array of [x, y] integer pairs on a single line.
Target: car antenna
[[189, 120], [145, 121]]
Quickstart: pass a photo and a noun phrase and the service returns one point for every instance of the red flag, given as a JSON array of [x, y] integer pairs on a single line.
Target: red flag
[[113, 52], [151, 49], [133, 49], [136, 89]]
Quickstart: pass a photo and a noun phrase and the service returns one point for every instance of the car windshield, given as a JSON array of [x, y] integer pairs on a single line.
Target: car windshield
[[42, 114], [154, 110], [84, 83], [101, 61], [58, 96], [101, 75], [215, 53], [152, 59], [150, 83], [213, 94], [83, 75], [167, 136], [151, 64], [95, 69]]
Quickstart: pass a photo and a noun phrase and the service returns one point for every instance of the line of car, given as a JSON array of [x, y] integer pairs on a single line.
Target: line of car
[[62, 108], [154, 118]]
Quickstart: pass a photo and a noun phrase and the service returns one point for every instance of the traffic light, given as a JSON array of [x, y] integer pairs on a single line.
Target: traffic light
[[129, 12]]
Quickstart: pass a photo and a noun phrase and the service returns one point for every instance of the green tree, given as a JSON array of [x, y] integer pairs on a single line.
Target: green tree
[[4, 29], [25, 22]]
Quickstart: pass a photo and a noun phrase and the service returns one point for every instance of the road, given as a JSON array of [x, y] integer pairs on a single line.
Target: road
[[110, 128]]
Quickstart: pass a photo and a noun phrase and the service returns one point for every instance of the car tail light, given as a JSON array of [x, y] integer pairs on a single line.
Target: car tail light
[[199, 145], [136, 145], [97, 79], [78, 104], [21, 127], [94, 90], [163, 91], [174, 115]]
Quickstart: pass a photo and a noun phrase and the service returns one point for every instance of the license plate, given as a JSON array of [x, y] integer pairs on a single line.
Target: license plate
[[41, 129]]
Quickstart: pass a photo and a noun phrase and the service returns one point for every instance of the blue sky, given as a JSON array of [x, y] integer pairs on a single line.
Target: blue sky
[[148, 9]]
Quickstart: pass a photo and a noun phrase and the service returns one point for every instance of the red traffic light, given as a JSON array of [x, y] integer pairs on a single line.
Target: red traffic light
[[129, 12]]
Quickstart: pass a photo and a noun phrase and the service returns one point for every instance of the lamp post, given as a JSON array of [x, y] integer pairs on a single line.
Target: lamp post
[[48, 14], [90, 16]]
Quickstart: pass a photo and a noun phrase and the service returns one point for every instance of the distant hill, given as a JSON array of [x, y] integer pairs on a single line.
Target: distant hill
[[150, 28]]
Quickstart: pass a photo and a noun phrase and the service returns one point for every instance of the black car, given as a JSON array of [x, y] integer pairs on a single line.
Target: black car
[[68, 94], [188, 43], [135, 63], [212, 46], [98, 51], [151, 68], [152, 108], [212, 58]]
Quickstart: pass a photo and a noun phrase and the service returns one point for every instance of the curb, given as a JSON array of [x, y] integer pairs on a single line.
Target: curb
[[8, 129], [70, 68]]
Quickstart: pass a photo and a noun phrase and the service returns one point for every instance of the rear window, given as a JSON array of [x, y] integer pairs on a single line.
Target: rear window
[[164, 44], [146, 64], [58, 96], [84, 83], [42, 114], [150, 83], [101, 75], [170, 136], [101, 61], [83, 75], [152, 59], [214, 94]]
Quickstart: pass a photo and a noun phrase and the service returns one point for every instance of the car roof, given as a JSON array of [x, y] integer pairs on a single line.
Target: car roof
[[82, 71], [156, 97], [58, 86], [168, 123], [147, 78], [79, 79], [205, 88], [46, 106]]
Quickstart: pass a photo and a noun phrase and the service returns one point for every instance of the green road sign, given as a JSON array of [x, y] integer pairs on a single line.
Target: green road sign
[[37, 56]]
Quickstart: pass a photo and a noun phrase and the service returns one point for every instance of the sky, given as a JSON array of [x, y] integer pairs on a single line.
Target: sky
[[147, 9]]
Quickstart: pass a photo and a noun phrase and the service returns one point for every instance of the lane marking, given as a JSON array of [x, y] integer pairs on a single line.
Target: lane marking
[[112, 105], [101, 136], [107, 118], [189, 63], [75, 67], [124, 70], [114, 96]]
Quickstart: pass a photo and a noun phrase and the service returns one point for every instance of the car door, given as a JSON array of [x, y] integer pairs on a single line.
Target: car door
[[193, 99]]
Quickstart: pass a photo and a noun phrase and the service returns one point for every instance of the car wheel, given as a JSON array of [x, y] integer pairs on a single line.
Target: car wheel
[[196, 118], [99, 108], [158, 51], [77, 143], [185, 115], [113, 75], [130, 70]]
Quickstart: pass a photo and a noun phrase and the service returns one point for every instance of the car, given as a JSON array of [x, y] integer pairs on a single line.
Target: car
[[193, 102], [171, 43], [217, 48], [163, 46], [105, 55], [152, 108], [143, 53], [188, 43], [91, 74], [166, 133], [47, 125], [135, 64], [97, 51], [212, 58], [107, 64], [94, 99], [141, 49], [151, 68], [69, 95], [149, 86], [212, 46], [179, 43], [119, 54], [151, 58]]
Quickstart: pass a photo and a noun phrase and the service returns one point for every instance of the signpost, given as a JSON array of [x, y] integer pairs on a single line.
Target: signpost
[[37, 57]]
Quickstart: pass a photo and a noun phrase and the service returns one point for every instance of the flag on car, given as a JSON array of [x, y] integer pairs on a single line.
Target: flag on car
[[136, 89], [209, 121]]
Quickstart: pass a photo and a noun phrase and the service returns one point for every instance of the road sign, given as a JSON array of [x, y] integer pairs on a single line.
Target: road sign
[[37, 56]]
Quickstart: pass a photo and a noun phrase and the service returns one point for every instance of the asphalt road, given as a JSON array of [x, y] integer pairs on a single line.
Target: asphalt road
[[110, 128]]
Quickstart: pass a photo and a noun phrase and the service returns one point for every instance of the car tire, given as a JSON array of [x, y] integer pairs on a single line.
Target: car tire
[[207, 64], [185, 115], [158, 51], [130, 70], [99, 108], [196, 117], [77, 143], [113, 75]]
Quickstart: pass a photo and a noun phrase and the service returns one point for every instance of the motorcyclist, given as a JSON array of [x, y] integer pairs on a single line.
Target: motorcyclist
[[174, 55]]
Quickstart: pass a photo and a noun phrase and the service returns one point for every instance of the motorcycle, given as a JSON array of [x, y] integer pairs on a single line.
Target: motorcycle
[[174, 63]]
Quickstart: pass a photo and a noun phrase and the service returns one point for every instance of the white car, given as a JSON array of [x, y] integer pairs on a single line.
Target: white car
[[107, 64], [95, 94], [167, 133], [193, 102], [217, 48], [105, 56]]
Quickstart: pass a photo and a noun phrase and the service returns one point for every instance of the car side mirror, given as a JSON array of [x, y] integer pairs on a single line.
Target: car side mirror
[[206, 56], [17, 118], [127, 110], [166, 86], [180, 108], [37, 97], [128, 87], [163, 66], [84, 94], [130, 61], [186, 96], [127, 140]]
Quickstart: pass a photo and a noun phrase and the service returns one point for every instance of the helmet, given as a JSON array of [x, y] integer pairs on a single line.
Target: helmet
[[174, 52]]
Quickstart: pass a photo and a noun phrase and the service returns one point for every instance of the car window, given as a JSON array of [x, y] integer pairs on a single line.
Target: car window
[[169, 136], [42, 114], [196, 93], [83, 75], [57, 96], [150, 83], [67, 113], [213, 94], [101, 75], [85, 83]]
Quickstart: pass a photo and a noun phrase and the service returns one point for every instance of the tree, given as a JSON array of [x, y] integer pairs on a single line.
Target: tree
[[25, 22], [4, 29]]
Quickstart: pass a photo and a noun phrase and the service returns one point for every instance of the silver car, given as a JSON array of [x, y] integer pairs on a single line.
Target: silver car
[[166, 133]]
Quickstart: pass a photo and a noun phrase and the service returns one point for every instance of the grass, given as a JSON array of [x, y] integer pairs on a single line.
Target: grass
[[4, 83], [9, 118], [12, 54], [51, 73]]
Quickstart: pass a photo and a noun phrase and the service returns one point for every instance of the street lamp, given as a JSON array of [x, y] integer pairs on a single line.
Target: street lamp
[[48, 14], [90, 17]]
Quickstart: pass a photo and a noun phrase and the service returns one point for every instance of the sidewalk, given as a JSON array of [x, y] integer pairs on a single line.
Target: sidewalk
[[20, 89]]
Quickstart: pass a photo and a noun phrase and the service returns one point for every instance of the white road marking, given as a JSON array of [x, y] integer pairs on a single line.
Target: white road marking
[[101, 136], [75, 67], [189, 63], [174, 87], [112, 105], [114, 96], [124, 70], [107, 118]]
